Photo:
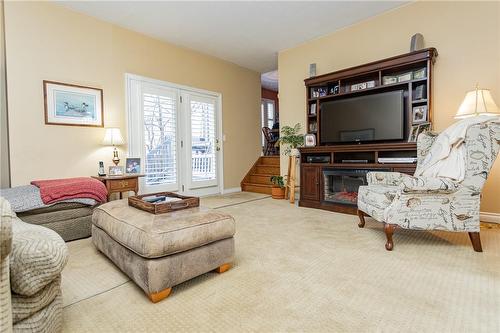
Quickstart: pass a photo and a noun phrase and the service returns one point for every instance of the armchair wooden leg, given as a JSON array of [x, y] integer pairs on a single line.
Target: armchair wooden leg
[[361, 216], [476, 241], [389, 231]]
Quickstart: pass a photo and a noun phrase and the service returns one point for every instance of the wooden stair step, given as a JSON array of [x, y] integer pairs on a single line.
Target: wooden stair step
[[260, 179], [257, 188], [267, 169], [269, 160]]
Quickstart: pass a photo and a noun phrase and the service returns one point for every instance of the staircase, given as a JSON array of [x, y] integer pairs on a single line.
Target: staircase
[[258, 178]]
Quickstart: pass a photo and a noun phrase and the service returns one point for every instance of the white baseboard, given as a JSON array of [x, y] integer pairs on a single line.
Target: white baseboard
[[231, 190], [490, 217]]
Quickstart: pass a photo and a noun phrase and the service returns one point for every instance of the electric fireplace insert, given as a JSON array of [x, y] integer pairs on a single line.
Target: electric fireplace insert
[[341, 185]]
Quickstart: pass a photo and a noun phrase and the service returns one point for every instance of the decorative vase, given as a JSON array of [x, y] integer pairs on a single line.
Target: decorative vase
[[278, 192]]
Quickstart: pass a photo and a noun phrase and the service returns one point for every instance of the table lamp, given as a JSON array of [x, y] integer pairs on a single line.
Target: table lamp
[[477, 102], [113, 137]]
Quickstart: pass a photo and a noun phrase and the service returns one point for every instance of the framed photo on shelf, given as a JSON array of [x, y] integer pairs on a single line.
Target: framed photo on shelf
[[413, 134], [419, 92], [420, 73], [310, 140], [416, 130], [133, 165], [423, 128], [312, 109], [419, 114], [72, 105], [116, 170]]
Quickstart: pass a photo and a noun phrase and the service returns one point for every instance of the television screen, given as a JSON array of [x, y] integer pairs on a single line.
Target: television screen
[[374, 117]]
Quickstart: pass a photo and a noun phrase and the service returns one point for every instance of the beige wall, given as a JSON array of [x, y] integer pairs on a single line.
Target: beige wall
[[466, 35], [48, 42]]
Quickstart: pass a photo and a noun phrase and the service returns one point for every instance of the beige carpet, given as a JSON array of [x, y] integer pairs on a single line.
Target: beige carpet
[[301, 269]]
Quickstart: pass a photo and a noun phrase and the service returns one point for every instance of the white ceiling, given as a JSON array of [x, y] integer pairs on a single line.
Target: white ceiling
[[246, 33]]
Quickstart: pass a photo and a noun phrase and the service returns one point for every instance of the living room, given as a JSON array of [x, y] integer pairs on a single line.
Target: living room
[[87, 244]]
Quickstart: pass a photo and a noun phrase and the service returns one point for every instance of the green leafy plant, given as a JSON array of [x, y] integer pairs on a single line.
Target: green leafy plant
[[278, 181], [290, 138]]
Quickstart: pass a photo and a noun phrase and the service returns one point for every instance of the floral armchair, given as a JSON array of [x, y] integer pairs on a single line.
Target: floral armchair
[[425, 203]]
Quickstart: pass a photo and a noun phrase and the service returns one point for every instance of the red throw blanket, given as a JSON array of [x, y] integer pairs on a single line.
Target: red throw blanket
[[55, 190]]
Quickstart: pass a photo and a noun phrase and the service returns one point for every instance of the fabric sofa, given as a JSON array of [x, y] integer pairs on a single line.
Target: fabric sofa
[[32, 259]]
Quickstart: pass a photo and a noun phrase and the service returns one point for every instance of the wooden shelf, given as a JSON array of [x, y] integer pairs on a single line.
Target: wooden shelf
[[419, 101]]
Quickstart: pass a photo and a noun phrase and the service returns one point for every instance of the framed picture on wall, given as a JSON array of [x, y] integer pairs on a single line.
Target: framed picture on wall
[[72, 105]]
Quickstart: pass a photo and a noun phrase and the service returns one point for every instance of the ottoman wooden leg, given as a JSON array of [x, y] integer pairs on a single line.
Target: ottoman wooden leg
[[223, 268], [156, 297]]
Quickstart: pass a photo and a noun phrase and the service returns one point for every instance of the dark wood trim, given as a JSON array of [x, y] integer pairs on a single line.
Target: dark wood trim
[[45, 82]]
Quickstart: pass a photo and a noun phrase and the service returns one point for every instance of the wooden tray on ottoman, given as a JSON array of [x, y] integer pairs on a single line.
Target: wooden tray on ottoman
[[165, 207]]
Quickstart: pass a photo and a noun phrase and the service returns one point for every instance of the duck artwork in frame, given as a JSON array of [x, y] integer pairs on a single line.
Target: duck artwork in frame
[[72, 105]]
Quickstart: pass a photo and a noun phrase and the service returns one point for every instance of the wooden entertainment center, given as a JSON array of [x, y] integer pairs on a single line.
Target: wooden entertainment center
[[327, 171]]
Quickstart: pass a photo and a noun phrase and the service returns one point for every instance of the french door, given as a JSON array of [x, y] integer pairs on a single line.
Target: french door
[[176, 133]]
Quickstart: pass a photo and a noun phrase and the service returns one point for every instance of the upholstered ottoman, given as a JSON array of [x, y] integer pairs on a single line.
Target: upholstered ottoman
[[160, 251]]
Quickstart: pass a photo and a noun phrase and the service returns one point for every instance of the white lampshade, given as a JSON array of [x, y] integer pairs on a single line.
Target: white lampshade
[[477, 102], [113, 137]]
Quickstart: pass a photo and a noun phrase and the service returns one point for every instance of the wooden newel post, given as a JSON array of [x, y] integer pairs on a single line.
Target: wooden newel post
[[290, 182]]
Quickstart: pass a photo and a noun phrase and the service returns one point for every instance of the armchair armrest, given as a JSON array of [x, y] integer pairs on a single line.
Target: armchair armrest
[[428, 185], [385, 178]]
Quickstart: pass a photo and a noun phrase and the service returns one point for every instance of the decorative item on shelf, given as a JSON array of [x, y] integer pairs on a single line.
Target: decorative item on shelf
[[312, 70], [312, 109], [115, 170], [419, 92], [333, 89], [278, 190], [420, 74], [313, 126], [477, 102], [419, 114], [363, 85], [417, 42], [323, 91], [389, 79], [73, 105], [133, 165], [101, 171], [314, 92], [113, 137], [310, 140], [405, 77]]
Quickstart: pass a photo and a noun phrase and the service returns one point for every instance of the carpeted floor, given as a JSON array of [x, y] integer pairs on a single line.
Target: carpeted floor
[[300, 269]]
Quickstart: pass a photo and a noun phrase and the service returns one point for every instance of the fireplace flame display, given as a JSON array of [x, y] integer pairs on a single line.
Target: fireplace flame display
[[341, 185]]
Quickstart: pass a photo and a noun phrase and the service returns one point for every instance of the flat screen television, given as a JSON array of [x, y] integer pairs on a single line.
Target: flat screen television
[[377, 117]]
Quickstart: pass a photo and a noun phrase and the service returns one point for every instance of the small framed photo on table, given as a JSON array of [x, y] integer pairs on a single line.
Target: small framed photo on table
[[116, 170], [133, 165]]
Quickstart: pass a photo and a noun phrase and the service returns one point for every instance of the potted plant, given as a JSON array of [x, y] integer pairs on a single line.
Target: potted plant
[[290, 139], [278, 190]]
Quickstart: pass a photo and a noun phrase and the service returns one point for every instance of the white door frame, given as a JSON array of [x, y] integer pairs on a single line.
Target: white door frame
[[128, 111]]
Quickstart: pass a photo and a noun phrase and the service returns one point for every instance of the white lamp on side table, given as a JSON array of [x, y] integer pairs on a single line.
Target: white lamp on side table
[[113, 137]]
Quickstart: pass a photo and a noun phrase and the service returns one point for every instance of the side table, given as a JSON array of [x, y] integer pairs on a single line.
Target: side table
[[120, 184]]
